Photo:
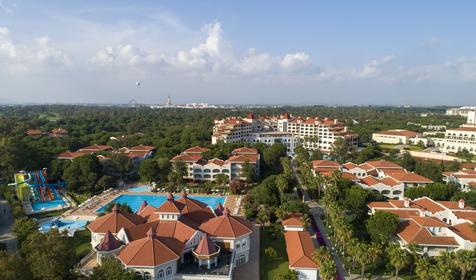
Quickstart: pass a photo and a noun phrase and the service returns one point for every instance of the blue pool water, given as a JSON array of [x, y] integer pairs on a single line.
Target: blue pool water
[[46, 205], [61, 224], [135, 200], [139, 189]]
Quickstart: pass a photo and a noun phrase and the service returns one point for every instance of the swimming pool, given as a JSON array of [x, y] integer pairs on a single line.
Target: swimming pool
[[135, 200], [38, 206], [62, 224], [139, 189]]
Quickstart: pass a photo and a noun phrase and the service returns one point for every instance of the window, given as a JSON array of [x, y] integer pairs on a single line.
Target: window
[[169, 270], [161, 274], [147, 276]]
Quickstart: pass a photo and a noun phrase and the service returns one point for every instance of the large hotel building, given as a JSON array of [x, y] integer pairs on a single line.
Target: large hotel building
[[312, 132]]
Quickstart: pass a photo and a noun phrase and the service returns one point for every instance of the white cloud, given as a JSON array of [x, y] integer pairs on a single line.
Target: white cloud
[[24, 57], [295, 61], [372, 69], [4, 30], [255, 62]]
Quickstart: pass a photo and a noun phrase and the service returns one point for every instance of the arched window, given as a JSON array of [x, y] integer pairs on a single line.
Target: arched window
[[147, 276], [207, 176], [225, 171], [206, 170], [216, 170], [198, 176], [169, 271], [385, 192], [161, 274], [397, 192], [138, 274]]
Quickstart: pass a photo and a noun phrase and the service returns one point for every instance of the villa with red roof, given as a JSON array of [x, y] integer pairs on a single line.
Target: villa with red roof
[[299, 248], [181, 239], [201, 169], [136, 153], [385, 177], [436, 226], [465, 178]]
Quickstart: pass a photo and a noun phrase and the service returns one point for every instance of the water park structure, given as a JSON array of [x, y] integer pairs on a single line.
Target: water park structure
[[37, 194]]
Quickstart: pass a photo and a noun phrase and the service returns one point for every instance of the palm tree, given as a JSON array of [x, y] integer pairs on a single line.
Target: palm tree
[[319, 181], [375, 250], [423, 268], [321, 255], [327, 270], [414, 250], [281, 213], [465, 261], [305, 221], [352, 250], [398, 258], [445, 266], [363, 256]]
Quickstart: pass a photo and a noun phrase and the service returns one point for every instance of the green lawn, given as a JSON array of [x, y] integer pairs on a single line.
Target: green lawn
[[81, 241], [270, 268]]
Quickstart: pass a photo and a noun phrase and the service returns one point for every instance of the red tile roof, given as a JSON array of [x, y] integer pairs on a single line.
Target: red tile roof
[[243, 158], [411, 232], [196, 150], [399, 132], [226, 226], [170, 205], [299, 247], [114, 221], [147, 251], [293, 220], [465, 230], [188, 157], [407, 177], [206, 247], [244, 150], [325, 163], [380, 164], [142, 148], [109, 243], [96, 148]]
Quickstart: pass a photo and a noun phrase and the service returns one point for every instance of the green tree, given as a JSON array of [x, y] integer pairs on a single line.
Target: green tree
[[221, 179], [398, 258], [423, 268], [111, 269], [341, 150], [180, 167], [23, 227], [82, 173], [288, 275], [237, 186], [408, 162], [270, 252], [13, 267], [430, 170], [149, 170], [50, 255], [382, 226], [302, 155], [105, 182], [164, 168], [465, 261], [248, 172], [123, 207]]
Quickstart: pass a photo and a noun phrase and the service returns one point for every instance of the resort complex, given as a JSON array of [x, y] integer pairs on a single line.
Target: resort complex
[[200, 169], [384, 177], [180, 239], [436, 226], [461, 138], [311, 132]]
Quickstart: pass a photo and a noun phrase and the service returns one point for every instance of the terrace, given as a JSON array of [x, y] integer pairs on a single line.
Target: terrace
[[223, 267]]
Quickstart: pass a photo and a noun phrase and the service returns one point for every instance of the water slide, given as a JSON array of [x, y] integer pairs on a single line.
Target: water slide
[[49, 193]]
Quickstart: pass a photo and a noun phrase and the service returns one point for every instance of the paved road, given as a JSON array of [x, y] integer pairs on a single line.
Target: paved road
[[315, 211], [6, 220], [250, 270]]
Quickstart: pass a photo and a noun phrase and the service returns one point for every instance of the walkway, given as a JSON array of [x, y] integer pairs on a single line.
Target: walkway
[[316, 210], [250, 270], [6, 221]]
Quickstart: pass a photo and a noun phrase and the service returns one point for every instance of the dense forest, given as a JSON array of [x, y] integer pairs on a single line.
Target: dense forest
[[170, 130]]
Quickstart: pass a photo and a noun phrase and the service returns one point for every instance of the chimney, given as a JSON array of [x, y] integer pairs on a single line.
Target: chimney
[[461, 203], [422, 213], [406, 202]]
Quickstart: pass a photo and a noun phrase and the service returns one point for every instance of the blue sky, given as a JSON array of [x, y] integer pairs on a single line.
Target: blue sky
[[276, 52]]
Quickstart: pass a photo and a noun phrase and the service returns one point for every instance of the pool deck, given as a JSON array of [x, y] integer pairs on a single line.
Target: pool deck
[[88, 209]]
